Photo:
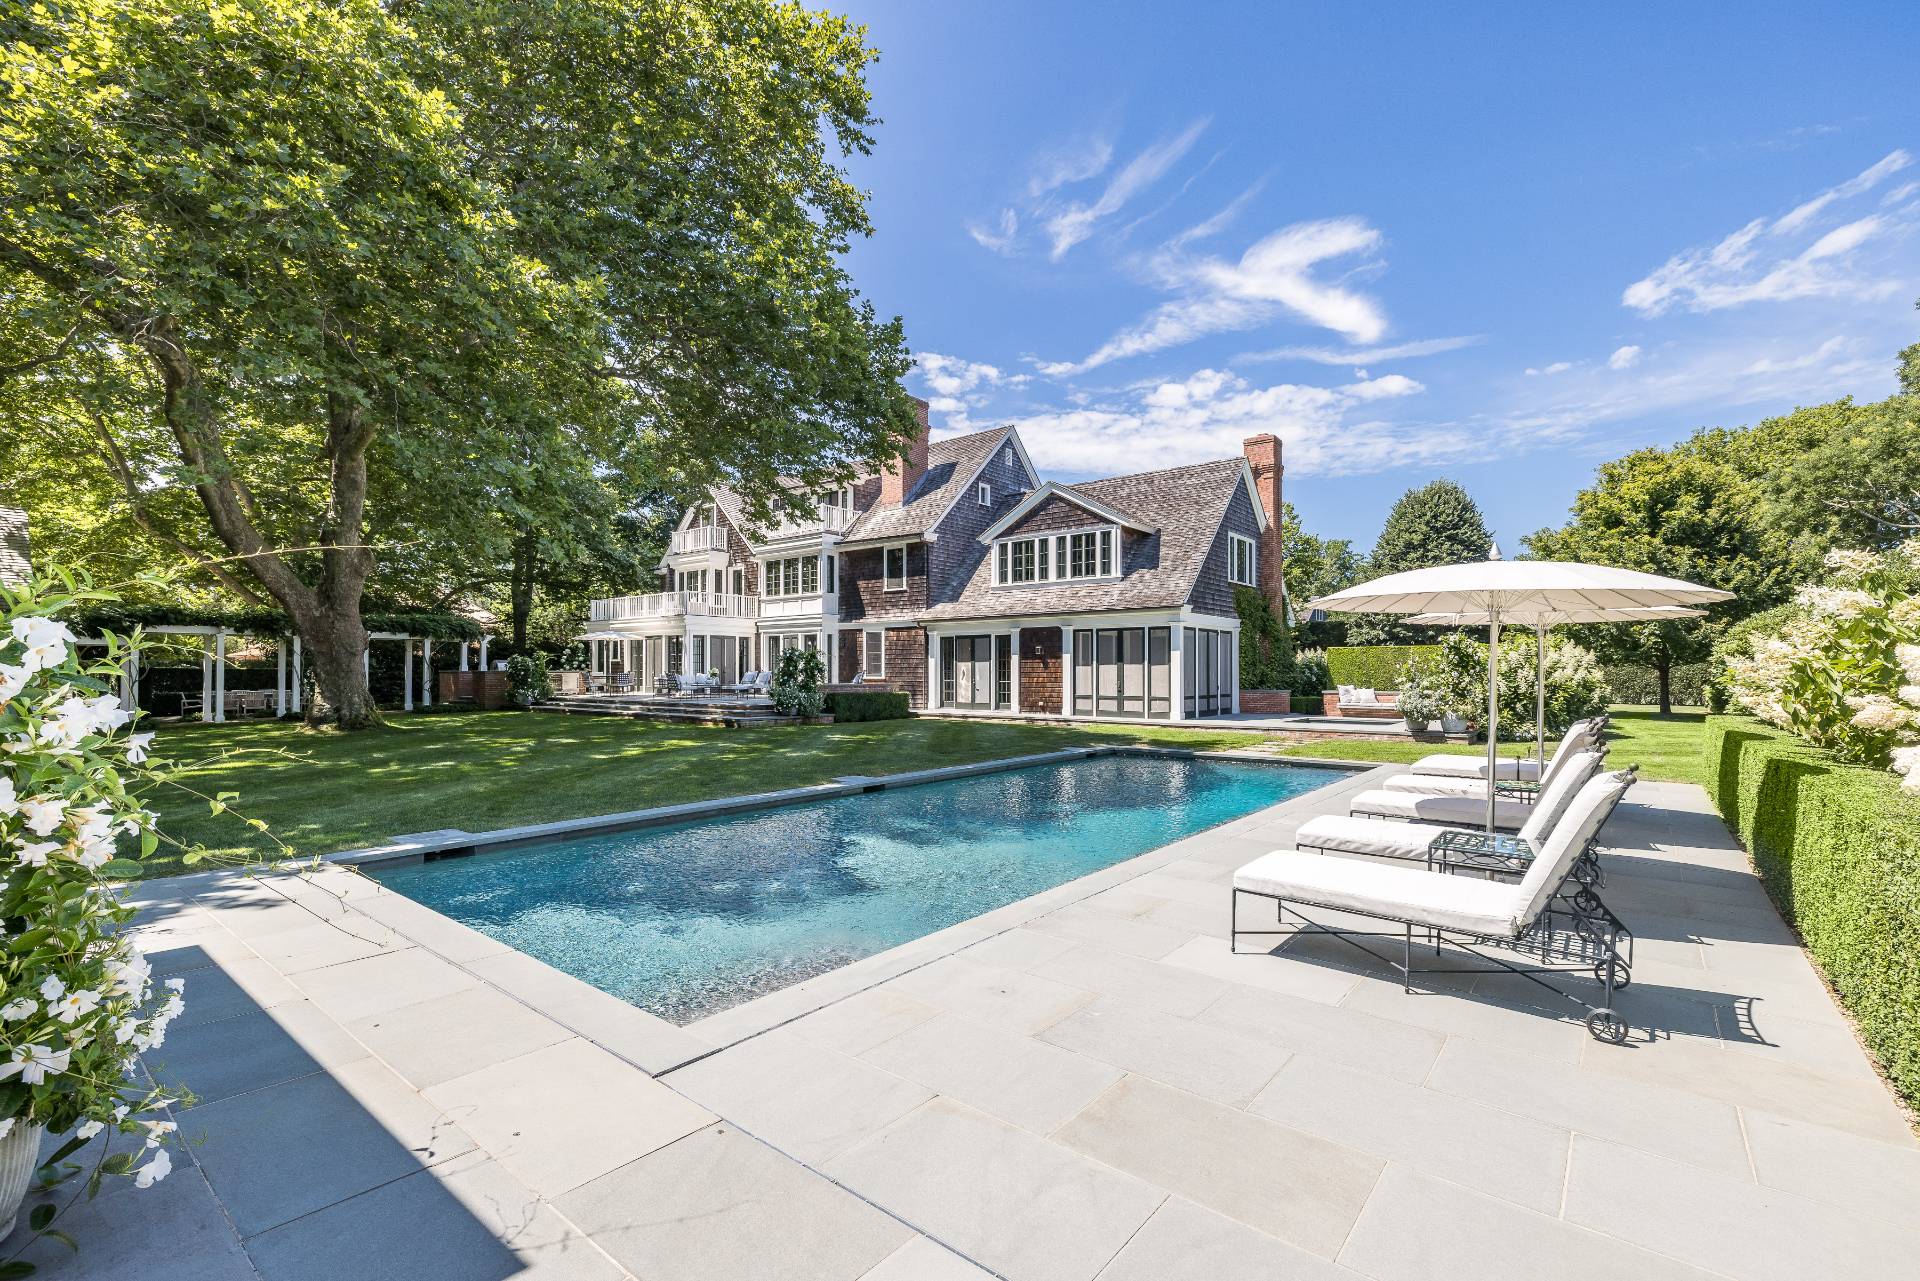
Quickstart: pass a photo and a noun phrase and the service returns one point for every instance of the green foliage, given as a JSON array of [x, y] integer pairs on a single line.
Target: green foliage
[[1576, 687], [1839, 849], [867, 705], [1266, 647], [1436, 524], [528, 681], [796, 682], [265, 622], [1315, 567], [1375, 666], [1632, 683], [1311, 676]]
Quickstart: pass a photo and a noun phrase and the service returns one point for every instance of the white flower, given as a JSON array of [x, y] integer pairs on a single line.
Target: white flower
[[35, 853], [178, 985], [74, 1004], [137, 747], [158, 1130], [9, 802], [43, 813], [45, 639], [14, 1011], [1909, 658], [157, 1168], [1851, 565], [13, 679], [51, 988], [33, 1063], [1879, 714], [1906, 760], [89, 1129], [130, 977], [1835, 602]]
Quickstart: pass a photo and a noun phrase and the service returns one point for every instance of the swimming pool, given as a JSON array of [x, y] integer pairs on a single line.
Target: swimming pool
[[688, 920]]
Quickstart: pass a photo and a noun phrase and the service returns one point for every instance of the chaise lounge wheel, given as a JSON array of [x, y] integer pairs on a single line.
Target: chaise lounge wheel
[[1622, 976], [1605, 1025]]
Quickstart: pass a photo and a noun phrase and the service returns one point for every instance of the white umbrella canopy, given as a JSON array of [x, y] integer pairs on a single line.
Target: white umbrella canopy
[[1506, 590]]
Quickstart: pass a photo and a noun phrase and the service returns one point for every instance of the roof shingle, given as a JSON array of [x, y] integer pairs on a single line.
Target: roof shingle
[[951, 463]]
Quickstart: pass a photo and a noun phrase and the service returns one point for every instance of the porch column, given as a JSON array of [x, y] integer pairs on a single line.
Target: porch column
[[934, 674], [129, 678], [299, 692], [426, 671], [1233, 666], [280, 677], [464, 647], [1013, 672], [206, 683], [1177, 669], [220, 675], [1066, 671], [483, 652], [406, 674]]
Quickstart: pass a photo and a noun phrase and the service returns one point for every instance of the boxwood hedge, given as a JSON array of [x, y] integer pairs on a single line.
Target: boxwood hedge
[[1375, 666], [867, 705], [1839, 849]]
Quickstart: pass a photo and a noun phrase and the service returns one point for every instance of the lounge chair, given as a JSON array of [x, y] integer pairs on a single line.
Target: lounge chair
[[1545, 912], [1422, 798], [1581, 736], [1360, 833], [1448, 765]]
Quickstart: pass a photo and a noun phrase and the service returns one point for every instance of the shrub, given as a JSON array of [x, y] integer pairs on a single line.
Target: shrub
[[796, 682], [1374, 666], [1635, 683], [527, 679], [1576, 687], [1310, 675], [1838, 847], [1266, 646], [868, 705]]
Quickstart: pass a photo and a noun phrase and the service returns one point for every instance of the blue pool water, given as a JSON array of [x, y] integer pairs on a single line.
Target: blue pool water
[[688, 920]]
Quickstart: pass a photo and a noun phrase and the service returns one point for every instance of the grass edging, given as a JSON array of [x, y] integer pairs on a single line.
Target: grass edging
[[1838, 847]]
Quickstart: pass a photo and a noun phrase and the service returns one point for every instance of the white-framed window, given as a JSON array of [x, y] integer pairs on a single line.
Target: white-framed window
[[984, 494], [1057, 558], [893, 568], [1242, 560], [873, 652], [792, 576]]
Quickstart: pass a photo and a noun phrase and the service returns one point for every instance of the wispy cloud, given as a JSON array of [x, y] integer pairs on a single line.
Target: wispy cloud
[[957, 387], [1770, 260], [1220, 221], [1075, 162], [1272, 278], [1069, 226], [1624, 357], [1362, 355], [999, 238], [1547, 371]]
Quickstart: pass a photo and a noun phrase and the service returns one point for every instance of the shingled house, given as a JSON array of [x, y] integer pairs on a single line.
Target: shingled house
[[13, 546], [963, 578]]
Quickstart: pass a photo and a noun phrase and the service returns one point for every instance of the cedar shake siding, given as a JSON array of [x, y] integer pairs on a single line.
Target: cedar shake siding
[[863, 596], [1213, 590], [849, 659], [1040, 669], [958, 550], [906, 649], [1057, 512], [738, 553]]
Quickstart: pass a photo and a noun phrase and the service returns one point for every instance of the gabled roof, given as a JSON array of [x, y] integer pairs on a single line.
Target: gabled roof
[[1088, 503], [951, 466], [1183, 506]]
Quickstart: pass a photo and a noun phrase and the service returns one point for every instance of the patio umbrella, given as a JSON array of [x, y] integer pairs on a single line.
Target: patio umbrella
[[1502, 589], [1540, 620]]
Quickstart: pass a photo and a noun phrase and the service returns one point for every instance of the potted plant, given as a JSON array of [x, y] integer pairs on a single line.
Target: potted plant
[[78, 1002]]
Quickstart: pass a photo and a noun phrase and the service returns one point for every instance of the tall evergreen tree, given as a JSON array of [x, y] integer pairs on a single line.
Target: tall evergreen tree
[[1436, 524]]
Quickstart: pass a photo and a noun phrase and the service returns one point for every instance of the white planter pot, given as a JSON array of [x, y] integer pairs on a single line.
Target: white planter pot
[[1453, 724], [19, 1157]]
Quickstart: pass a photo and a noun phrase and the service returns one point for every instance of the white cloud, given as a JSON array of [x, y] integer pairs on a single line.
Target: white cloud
[[1000, 238], [1272, 278], [1073, 224], [1219, 222], [1362, 355], [1557, 367], [1073, 163], [1768, 261], [956, 386], [1624, 357], [1385, 387]]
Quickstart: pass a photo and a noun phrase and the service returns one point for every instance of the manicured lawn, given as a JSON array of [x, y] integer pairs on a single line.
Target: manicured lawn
[[321, 791], [1666, 748]]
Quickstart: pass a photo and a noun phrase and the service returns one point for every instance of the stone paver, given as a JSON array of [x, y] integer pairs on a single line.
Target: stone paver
[[1087, 1085]]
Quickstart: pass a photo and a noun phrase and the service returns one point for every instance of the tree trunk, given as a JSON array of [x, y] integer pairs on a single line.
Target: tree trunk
[[520, 589], [334, 643], [1663, 668]]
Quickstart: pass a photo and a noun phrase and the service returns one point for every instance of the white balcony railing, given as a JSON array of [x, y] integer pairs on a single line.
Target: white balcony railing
[[614, 609], [700, 538], [831, 520]]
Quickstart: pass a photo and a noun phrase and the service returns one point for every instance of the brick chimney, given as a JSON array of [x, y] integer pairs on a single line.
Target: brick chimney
[[899, 476], [1263, 457]]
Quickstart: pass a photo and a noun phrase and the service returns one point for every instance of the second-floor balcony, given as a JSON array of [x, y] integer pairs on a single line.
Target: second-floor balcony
[[829, 520], [617, 609], [698, 538]]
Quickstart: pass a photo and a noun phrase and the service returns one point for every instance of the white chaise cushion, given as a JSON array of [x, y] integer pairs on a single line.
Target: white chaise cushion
[[1459, 810], [1465, 903], [1448, 765], [1377, 836]]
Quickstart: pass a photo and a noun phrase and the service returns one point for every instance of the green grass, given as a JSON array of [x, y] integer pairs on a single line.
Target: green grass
[[321, 791], [1666, 748]]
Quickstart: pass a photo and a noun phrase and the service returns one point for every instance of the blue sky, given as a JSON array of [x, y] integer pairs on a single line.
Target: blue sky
[[1500, 246]]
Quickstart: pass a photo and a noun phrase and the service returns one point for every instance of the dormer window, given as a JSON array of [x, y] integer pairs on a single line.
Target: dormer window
[[984, 495], [1056, 558], [1241, 560]]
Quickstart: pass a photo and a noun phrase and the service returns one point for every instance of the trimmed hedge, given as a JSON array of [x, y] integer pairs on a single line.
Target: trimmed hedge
[[867, 705], [1375, 666], [1633, 683], [1839, 849]]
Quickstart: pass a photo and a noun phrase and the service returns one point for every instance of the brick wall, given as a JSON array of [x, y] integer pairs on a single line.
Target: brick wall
[[1266, 702], [1263, 460], [1040, 669], [907, 662]]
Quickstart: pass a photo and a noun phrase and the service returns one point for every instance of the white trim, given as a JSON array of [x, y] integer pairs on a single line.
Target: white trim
[[1234, 540], [983, 493], [1261, 515], [1111, 515], [1055, 559], [885, 586]]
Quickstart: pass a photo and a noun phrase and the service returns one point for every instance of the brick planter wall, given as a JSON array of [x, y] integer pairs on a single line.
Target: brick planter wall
[[1267, 702], [1330, 701]]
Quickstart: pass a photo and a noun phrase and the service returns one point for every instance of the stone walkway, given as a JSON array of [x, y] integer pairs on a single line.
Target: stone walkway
[[1084, 1086]]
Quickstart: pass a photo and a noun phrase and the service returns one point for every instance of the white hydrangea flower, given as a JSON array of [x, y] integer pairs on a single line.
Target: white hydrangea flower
[[1851, 564], [1879, 714], [1908, 656], [1835, 602]]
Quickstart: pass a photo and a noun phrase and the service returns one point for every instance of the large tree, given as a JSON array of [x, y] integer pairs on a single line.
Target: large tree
[[1315, 566], [432, 270], [1436, 524]]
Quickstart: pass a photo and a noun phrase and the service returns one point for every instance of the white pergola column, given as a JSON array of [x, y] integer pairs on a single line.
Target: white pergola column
[[426, 671], [299, 691], [934, 674], [1233, 668], [130, 681], [464, 646], [220, 675], [406, 674], [1066, 671], [206, 683], [483, 652], [280, 677]]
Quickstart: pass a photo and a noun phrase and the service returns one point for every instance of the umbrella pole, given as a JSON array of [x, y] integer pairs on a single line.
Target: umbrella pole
[[1540, 694], [1493, 709]]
